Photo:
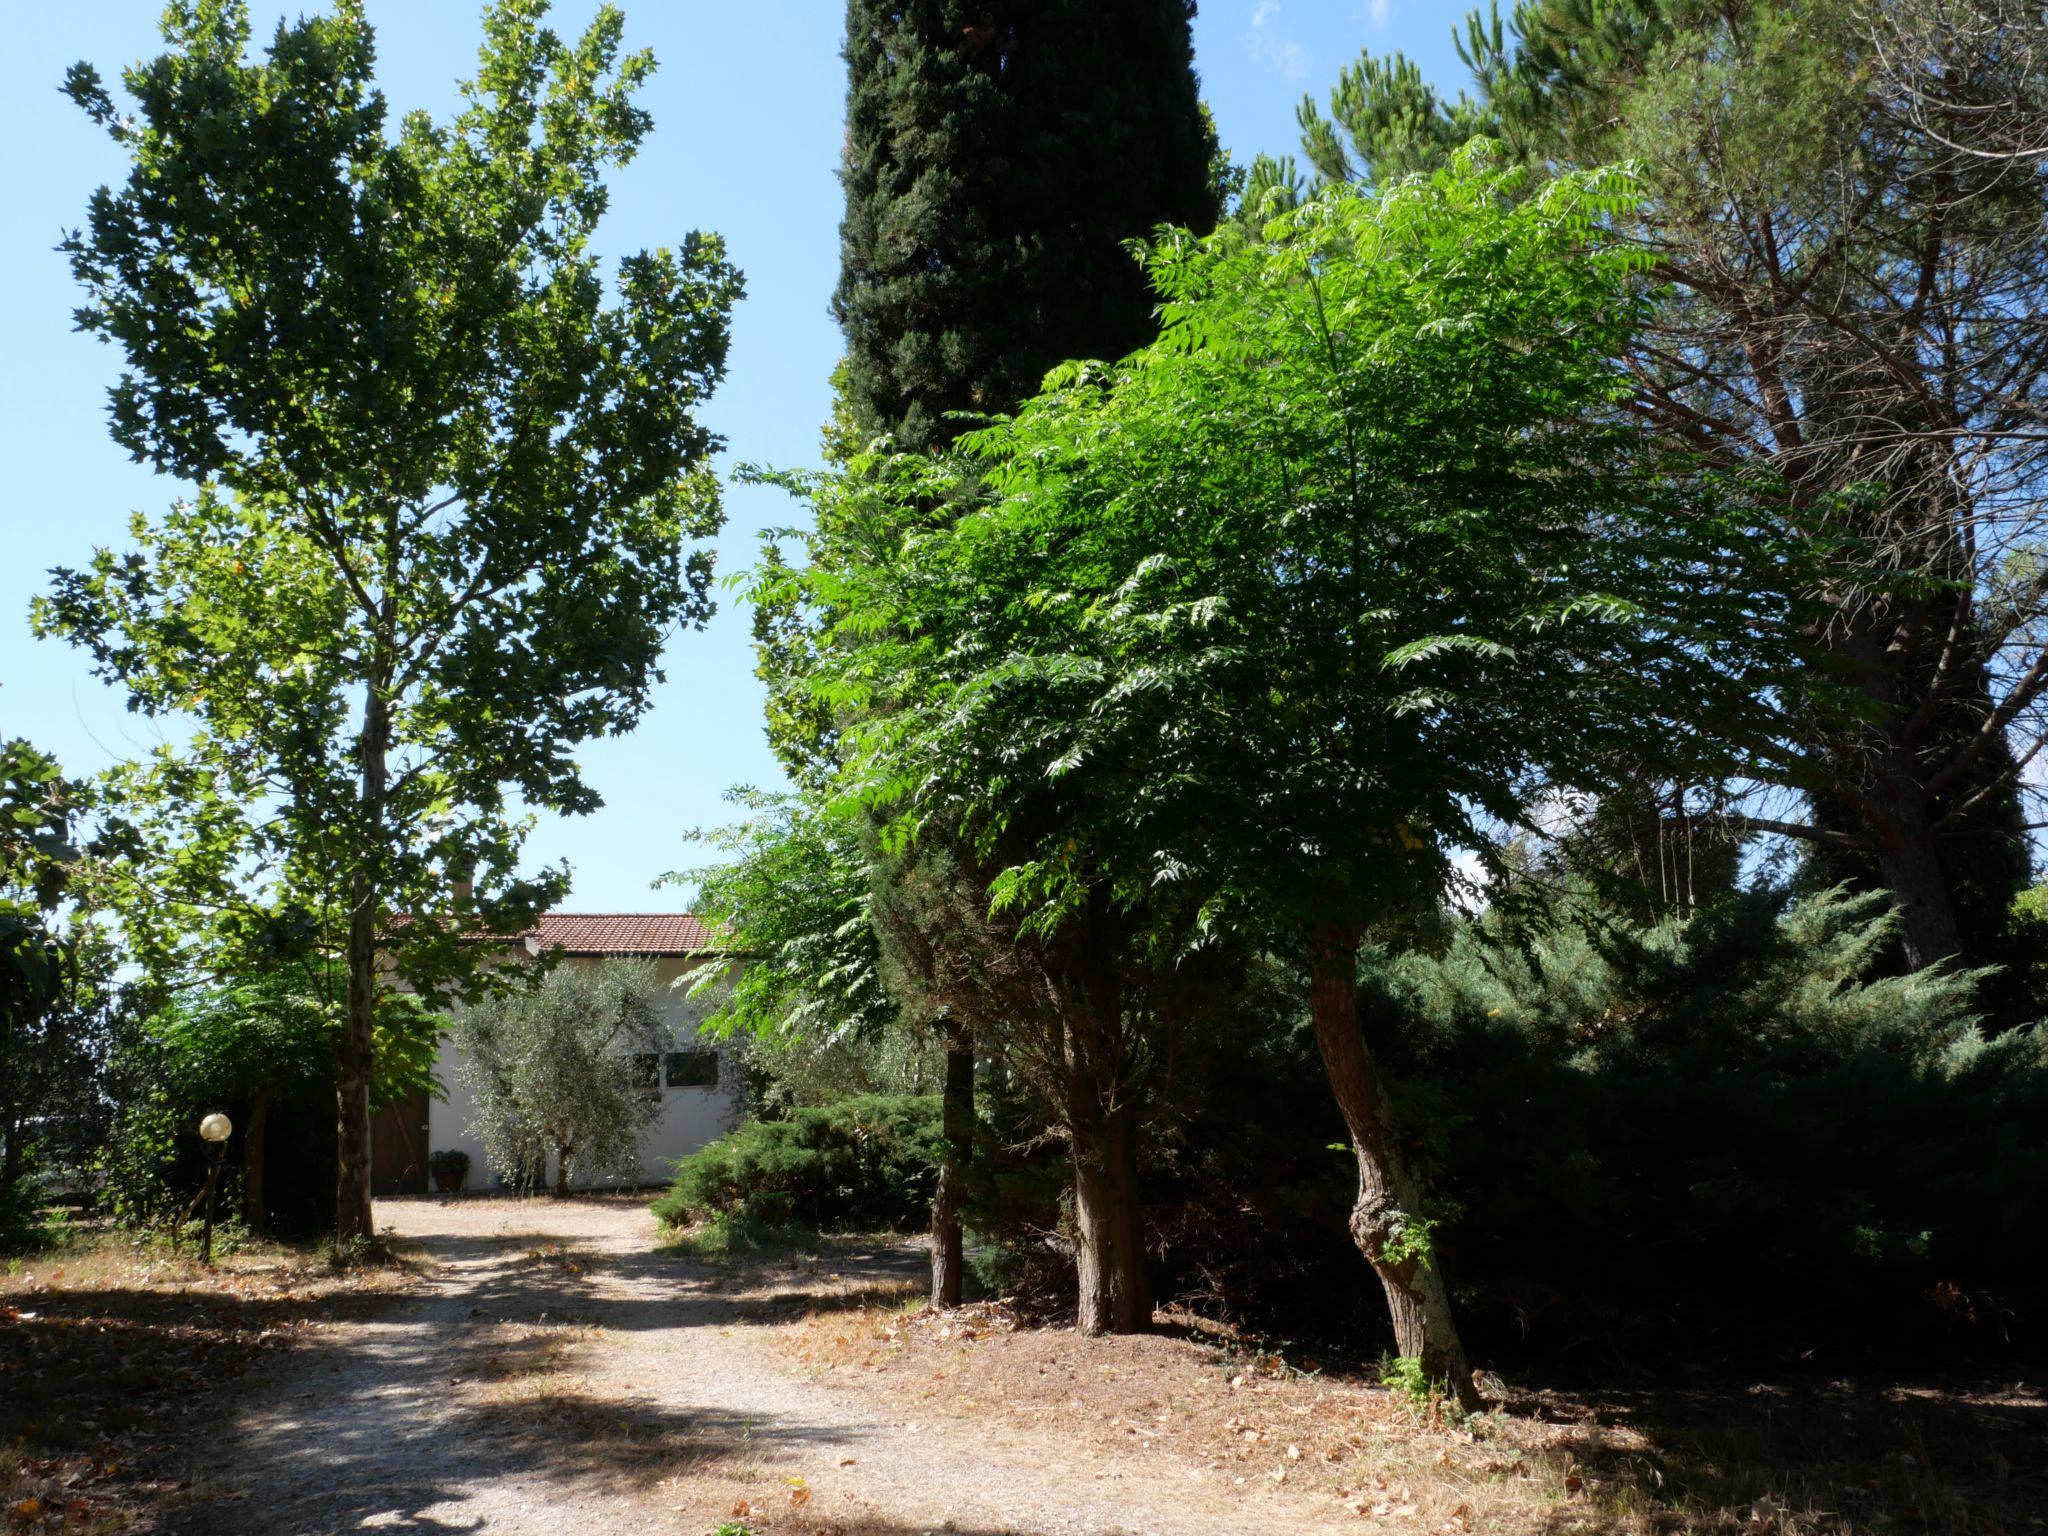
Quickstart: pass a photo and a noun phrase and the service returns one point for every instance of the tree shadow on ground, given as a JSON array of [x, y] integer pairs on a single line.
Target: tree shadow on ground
[[1963, 1458], [478, 1387]]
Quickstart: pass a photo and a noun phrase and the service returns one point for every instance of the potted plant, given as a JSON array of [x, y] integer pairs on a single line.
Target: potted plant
[[450, 1168]]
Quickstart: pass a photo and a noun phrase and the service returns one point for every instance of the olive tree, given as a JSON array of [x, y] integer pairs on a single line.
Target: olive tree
[[558, 1068]]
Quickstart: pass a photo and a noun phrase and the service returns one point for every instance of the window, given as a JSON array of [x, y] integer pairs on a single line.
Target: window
[[693, 1069], [647, 1072]]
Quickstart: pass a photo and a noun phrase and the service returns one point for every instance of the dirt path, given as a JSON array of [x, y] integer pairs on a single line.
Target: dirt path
[[558, 1374]]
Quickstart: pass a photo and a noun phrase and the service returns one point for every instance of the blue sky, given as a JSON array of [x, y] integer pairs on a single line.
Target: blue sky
[[747, 107]]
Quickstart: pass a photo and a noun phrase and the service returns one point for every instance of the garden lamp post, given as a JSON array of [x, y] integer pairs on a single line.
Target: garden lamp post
[[214, 1130]]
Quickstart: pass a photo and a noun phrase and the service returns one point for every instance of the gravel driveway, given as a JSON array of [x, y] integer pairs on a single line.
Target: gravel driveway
[[557, 1373]]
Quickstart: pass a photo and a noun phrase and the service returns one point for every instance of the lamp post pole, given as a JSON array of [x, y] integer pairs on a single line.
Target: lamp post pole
[[214, 1130]]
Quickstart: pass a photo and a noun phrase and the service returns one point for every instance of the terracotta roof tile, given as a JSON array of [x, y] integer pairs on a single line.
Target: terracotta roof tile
[[623, 933]]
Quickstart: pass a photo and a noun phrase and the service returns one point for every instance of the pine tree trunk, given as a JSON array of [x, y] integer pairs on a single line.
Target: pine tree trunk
[[1911, 867], [252, 1161], [1389, 1191], [957, 1129], [1920, 759]]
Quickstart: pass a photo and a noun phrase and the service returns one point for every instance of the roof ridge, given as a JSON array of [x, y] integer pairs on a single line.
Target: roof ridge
[[558, 912]]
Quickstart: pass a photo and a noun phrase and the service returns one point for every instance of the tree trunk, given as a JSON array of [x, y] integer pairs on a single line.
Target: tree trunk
[[1115, 1294], [1911, 867], [356, 1058], [354, 1065], [562, 1156], [1095, 1309], [11, 1143], [1390, 1194], [1131, 1286], [252, 1162], [957, 1128]]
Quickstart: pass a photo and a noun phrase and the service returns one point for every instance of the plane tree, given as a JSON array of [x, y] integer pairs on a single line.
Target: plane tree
[[445, 477]]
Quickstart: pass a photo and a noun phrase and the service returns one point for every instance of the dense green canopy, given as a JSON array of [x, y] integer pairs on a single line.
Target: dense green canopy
[[1282, 614], [998, 157], [447, 478]]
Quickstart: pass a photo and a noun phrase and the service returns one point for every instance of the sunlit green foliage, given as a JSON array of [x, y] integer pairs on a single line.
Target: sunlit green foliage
[[867, 1163], [1292, 602], [445, 482], [790, 896], [551, 1072]]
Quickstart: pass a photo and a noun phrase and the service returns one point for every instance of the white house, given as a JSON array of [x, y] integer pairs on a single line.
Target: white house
[[700, 1097]]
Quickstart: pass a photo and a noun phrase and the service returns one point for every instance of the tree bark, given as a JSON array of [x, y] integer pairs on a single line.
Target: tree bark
[[1095, 1306], [1390, 1194], [252, 1161], [11, 1143], [1911, 867], [354, 1065], [562, 1156], [1115, 1293], [356, 1056], [957, 1130], [1130, 1284]]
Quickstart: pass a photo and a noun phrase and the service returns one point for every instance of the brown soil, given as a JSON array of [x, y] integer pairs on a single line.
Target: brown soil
[[557, 1371], [113, 1350]]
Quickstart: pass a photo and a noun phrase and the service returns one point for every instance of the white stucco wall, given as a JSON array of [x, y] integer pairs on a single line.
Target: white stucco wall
[[689, 1118]]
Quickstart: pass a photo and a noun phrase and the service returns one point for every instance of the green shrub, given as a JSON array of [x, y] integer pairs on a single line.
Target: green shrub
[[864, 1164], [1735, 1126], [452, 1161], [1739, 1134]]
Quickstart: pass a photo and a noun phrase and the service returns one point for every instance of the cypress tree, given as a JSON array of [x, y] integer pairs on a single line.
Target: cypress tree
[[999, 154]]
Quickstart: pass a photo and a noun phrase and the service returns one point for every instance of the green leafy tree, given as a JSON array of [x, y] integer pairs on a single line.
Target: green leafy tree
[[552, 1069], [37, 804], [268, 1043], [789, 895], [1841, 199], [997, 161], [58, 985], [1332, 582], [998, 157], [444, 484]]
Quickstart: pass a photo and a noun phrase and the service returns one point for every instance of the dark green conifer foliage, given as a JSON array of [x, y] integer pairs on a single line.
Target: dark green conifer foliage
[[1814, 232], [998, 155]]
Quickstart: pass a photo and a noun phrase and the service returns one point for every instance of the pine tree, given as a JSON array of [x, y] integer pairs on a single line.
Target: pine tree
[[1814, 233], [999, 154]]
